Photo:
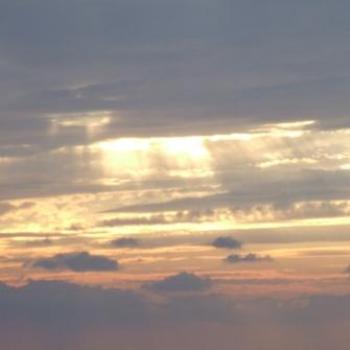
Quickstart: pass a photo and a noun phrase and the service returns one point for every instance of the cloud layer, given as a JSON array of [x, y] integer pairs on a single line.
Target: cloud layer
[[59, 314]]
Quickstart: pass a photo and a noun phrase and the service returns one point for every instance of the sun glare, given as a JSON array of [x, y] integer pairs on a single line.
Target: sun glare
[[141, 157]]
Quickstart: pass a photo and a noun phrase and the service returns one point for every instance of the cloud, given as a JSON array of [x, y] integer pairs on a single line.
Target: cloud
[[125, 242], [182, 282], [108, 65], [281, 188], [226, 242], [78, 262], [248, 258], [68, 305], [56, 315], [161, 219]]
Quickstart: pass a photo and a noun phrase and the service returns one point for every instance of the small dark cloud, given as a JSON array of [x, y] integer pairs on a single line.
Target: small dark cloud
[[125, 242], [78, 262], [182, 282], [248, 258], [226, 243]]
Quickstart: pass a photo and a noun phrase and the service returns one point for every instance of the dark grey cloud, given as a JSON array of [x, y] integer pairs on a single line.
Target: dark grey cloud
[[162, 68], [78, 262], [242, 63], [248, 258], [226, 242], [64, 304], [67, 305], [125, 242], [56, 315], [182, 282], [57, 302]]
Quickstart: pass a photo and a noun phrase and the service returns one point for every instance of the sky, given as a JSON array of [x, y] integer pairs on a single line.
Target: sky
[[174, 174]]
